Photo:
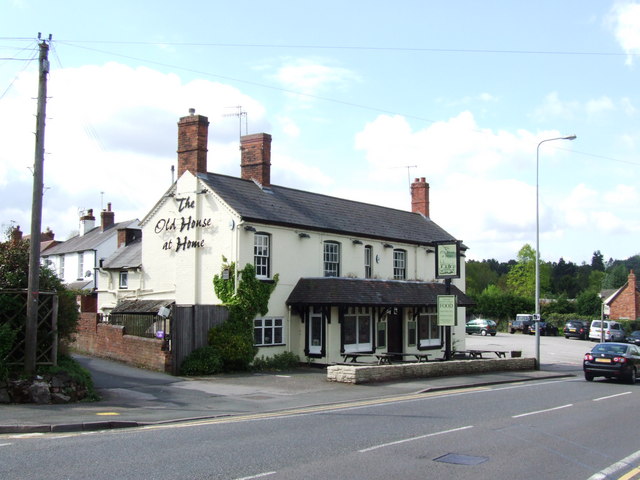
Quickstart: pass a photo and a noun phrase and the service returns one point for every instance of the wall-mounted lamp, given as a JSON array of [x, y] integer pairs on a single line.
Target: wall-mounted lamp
[[356, 242], [303, 235], [429, 250], [204, 190], [387, 245], [249, 228], [170, 195]]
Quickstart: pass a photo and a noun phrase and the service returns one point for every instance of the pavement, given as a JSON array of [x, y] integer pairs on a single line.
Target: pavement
[[133, 397]]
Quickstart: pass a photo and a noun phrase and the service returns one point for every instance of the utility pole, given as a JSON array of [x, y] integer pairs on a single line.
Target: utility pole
[[33, 289]]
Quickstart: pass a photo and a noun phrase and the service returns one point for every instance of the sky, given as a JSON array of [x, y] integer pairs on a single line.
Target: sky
[[360, 97]]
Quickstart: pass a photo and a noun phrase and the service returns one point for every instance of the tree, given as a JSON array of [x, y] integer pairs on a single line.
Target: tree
[[588, 304], [479, 276], [615, 276], [521, 279], [597, 261]]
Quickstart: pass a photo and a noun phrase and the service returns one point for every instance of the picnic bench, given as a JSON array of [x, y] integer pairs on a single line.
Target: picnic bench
[[479, 353], [419, 356], [384, 358]]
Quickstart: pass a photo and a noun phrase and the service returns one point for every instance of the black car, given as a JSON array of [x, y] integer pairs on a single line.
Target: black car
[[576, 329], [545, 328], [612, 360], [520, 326], [633, 337]]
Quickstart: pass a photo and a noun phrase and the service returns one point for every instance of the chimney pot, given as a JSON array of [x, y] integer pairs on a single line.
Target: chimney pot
[[420, 197]]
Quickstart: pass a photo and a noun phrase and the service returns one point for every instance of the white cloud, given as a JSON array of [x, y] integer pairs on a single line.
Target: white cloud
[[553, 107], [624, 19], [600, 105], [312, 77]]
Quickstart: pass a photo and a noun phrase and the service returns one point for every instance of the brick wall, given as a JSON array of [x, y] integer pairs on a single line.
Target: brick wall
[[627, 304], [110, 341]]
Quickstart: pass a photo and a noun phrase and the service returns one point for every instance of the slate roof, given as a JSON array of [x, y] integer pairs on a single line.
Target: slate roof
[[140, 306], [129, 256], [90, 240], [312, 211], [337, 291]]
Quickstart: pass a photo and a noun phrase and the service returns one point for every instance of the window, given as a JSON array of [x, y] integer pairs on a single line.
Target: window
[[399, 265], [262, 254], [80, 266], [428, 329], [411, 333], [382, 335], [368, 264], [123, 280], [267, 331], [61, 270], [331, 259], [316, 330], [357, 330]]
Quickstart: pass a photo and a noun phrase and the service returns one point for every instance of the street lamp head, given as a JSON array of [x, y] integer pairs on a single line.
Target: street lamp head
[[569, 137]]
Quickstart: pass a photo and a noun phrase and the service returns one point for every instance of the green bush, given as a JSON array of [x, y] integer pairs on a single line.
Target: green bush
[[76, 372], [7, 338], [203, 361], [278, 362], [234, 345]]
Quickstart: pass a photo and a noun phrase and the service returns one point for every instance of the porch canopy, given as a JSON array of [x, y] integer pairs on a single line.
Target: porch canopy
[[334, 291]]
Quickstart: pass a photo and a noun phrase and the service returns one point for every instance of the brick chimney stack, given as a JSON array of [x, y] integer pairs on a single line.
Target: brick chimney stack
[[420, 197], [47, 235], [107, 217], [87, 222], [255, 163], [193, 132], [16, 235]]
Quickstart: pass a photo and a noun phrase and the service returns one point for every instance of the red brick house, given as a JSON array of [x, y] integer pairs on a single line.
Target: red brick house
[[625, 303]]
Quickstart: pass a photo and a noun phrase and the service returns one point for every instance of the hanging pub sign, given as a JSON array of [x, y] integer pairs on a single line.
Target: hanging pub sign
[[447, 310], [448, 260]]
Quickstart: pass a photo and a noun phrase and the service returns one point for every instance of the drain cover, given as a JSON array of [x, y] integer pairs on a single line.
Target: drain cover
[[458, 459]]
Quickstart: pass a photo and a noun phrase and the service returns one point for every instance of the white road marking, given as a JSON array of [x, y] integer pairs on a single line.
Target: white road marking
[[611, 396], [414, 438], [5, 444], [256, 476], [542, 411], [611, 469]]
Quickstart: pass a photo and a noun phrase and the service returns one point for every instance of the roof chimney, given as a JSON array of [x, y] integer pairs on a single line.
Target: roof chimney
[[87, 222], [193, 132], [420, 197], [47, 235], [107, 217], [255, 163], [16, 235]]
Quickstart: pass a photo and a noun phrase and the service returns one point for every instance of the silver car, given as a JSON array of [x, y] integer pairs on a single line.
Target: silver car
[[613, 331]]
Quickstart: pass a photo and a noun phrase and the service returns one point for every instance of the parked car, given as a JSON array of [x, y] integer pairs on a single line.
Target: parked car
[[612, 360], [519, 325], [545, 328], [613, 331], [481, 326], [634, 337], [576, 329]]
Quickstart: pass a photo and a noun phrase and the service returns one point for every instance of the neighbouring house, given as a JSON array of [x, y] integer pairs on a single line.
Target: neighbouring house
[[353, 277], [77, 259], [624, 304], [47, 238]]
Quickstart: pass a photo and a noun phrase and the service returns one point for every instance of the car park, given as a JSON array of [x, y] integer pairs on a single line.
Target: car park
[[633, 337], [546, 328], [612, 360], [481, 326], [613, 331], [576, 329]]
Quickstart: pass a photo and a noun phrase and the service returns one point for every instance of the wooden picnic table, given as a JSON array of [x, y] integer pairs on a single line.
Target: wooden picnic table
[[383, 357], [354, 356], [419, 356], [478, 353]]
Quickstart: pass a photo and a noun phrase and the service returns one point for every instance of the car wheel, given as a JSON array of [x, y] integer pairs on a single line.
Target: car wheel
[[512, 331], [566, 336], [493, 334], [588, 376], [632, 376], [483, 333]]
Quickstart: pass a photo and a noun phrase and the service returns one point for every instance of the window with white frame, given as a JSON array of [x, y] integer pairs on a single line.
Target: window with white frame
[[123, 279], [428, 329], [331, 259], [357, 330], [61, 269], [368, 261], [80, 265], [268, 331], [399, 265], [262, 254]]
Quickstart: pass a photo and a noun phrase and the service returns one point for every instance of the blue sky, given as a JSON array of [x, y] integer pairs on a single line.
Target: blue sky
[[359, 96]]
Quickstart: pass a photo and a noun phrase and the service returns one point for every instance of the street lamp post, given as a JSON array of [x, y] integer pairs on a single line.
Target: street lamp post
[[537, 322]]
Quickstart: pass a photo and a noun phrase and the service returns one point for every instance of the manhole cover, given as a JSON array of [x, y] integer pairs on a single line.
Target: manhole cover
[[458, 459]]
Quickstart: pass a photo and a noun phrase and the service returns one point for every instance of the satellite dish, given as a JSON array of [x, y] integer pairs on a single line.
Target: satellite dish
[[87, 273]]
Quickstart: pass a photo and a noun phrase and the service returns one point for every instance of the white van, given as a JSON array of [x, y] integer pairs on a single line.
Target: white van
[[613, 331]]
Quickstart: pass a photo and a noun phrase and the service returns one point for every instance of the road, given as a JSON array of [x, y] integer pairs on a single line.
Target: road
[[560, 429]]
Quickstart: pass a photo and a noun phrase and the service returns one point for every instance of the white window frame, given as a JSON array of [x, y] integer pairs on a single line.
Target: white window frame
[[316, 320], [399, 264], [331, 259], [428, 329], [262, 254], [368, 261], [362, 317], [80, 265], [61, 267], [123, 280], [267, 330]]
